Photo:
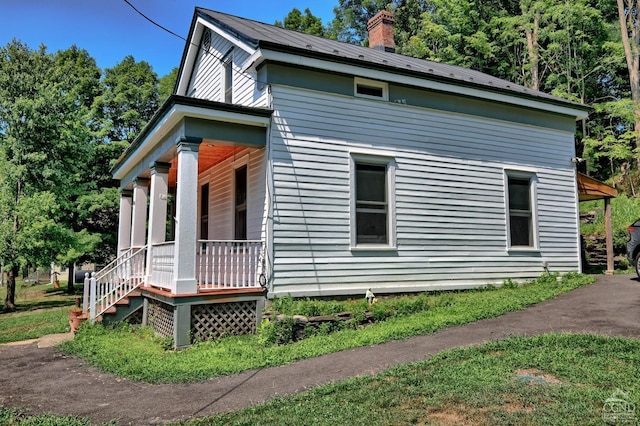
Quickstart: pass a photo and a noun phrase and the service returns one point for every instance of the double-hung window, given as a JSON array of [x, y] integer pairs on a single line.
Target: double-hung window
[[521, 203], [373, 202]]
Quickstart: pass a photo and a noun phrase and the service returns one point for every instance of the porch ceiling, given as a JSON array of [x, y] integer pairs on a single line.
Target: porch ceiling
[[209, 155], [221, 129], [592, 189]]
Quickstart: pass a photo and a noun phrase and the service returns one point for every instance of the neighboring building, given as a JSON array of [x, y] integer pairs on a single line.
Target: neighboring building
[[318, 168]]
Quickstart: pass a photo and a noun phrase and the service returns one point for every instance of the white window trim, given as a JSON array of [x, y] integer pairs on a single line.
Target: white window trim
[[533, 182], [372, 83], [390, 163]]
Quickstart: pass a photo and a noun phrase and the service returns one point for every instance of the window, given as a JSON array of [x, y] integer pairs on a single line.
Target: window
[[204, 212], [521, 210], [206, 40], [241, 203], [227, 65], [373, 202], [371, 89]]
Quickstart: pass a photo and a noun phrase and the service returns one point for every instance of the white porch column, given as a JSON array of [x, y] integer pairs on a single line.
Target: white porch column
[[139, 221], [186, 218], [124, 221], [157, 209]]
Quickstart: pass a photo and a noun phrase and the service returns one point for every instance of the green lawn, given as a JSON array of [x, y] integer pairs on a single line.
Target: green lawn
[[555, 379], [548, 380], [146, 357], [41, 310]]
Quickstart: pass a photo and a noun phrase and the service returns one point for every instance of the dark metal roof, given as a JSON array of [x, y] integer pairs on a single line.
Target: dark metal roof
[[258, 34]]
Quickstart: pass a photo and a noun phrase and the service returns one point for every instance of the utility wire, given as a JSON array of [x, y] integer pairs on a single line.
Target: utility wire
[[206, 51], [154, 22]]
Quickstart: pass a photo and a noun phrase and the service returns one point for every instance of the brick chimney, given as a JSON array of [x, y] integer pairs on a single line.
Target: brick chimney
[[380, 29]]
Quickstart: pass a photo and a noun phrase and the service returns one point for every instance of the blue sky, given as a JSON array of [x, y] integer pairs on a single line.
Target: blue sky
[[110, 29]]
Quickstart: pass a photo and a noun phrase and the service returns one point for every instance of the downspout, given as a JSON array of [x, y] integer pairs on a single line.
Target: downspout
[[269, 255]]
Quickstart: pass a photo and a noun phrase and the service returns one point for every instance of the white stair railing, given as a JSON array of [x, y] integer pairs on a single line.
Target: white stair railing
[[117, 280]]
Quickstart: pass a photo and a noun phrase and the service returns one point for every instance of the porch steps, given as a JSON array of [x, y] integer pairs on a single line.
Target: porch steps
[[124, 308]]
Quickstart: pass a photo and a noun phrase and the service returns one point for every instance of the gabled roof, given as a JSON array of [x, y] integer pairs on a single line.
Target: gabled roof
[[261, 35]]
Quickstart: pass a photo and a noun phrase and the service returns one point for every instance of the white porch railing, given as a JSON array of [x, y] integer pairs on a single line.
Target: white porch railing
[[229, 264], [117, 280], [162, 264]]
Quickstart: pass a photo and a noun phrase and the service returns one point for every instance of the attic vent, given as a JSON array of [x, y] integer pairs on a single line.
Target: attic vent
[[371, 89], [206, 40]]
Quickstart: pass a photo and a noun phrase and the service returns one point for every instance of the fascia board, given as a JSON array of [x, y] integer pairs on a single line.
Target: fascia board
[[174, 116], [242, 45], [194, 47], [192, 54], [262, 55]]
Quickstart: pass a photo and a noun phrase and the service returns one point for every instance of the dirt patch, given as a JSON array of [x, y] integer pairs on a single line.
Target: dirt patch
[[537, 377], [515, 406], [447, 416]]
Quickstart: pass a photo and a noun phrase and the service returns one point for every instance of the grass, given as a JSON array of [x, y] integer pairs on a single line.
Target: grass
[[133, 352], [624, 212], [41, 310], [554, 379], [14, 416]]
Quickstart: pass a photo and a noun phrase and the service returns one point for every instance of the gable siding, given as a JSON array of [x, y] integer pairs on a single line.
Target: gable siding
[[221, 195], [450, 196], [207, 76]]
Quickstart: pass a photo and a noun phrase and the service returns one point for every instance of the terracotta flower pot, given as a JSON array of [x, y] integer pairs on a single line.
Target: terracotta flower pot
[[76, 318]]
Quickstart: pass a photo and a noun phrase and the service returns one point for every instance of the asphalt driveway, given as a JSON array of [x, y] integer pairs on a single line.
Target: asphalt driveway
[[45, 380]]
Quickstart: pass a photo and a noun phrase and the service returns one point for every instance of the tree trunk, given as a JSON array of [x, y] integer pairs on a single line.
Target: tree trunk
[[628, 16], [10, 299], [71, 277], [532, 49]]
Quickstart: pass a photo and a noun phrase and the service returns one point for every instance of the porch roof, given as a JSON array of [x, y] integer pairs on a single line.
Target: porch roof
[[592, 189], [192, 119]]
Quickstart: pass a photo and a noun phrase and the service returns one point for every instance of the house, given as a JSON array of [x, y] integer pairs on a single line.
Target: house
[[289, 164]]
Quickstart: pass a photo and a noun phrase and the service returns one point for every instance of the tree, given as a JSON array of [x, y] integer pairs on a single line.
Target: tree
[[43, 138], [629, 19], [166, 85], [130, 98], [351, 17], [77, 71], [307, 23]]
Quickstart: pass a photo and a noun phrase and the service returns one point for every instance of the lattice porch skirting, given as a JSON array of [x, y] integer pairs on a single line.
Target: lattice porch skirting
[[199, 318], [213, 321], [160, 318]]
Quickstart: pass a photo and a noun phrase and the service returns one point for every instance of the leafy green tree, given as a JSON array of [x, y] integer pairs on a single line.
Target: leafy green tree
[[351, 16], [307, 23], [629, 20], [129, 99], [166, 84], [44, 137]]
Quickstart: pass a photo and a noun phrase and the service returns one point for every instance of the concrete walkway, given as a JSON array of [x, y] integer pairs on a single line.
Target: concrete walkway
[[45, 380]]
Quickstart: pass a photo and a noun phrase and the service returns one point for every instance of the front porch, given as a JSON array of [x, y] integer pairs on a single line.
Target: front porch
[[192, 210]]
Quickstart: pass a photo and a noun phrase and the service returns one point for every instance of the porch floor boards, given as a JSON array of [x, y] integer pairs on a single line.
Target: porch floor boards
[[217, 291]]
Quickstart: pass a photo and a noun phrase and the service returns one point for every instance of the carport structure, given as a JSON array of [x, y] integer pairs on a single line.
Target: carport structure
[[591, 189]]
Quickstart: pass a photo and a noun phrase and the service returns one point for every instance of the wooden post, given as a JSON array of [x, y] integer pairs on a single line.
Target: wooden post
[[139, 214], [609, 235], [157, 210], [124, 220], [186, 219], [85, 293], [92, 297]]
